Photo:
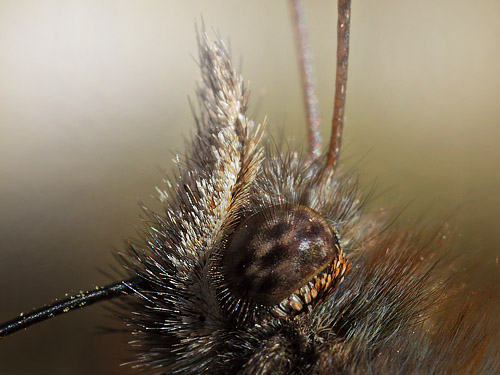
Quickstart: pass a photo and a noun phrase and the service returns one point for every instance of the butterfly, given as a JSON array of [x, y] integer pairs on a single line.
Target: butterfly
[[66, 288]]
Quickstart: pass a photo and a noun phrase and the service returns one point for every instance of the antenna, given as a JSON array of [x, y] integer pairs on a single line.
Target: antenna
[[343, 26], [307, 77]]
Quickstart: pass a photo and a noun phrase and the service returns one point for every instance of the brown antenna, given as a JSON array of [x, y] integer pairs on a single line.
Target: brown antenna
[[343, 24], [307, 77]]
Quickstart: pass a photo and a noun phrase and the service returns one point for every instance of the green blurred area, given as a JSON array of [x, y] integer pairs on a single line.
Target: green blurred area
[[93, 100]]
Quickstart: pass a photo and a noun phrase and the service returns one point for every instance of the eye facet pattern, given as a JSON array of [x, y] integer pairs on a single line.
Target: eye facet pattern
[[285, 257]]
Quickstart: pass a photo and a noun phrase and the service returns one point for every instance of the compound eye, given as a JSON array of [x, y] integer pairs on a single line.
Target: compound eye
[[284, 256]]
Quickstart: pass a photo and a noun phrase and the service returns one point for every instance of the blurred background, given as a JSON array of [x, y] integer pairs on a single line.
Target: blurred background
[[93, 104]]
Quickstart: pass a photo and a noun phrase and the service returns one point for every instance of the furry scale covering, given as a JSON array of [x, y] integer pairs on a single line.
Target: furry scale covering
[[397, 311]]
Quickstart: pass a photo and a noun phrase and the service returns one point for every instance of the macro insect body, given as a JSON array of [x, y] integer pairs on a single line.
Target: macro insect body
[[368, 312]]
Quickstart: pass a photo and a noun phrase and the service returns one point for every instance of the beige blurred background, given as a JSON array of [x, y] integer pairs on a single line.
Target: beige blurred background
[[93, 100]]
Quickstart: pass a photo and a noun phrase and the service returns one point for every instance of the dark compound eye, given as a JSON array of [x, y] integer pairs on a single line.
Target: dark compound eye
[[285, 257]]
